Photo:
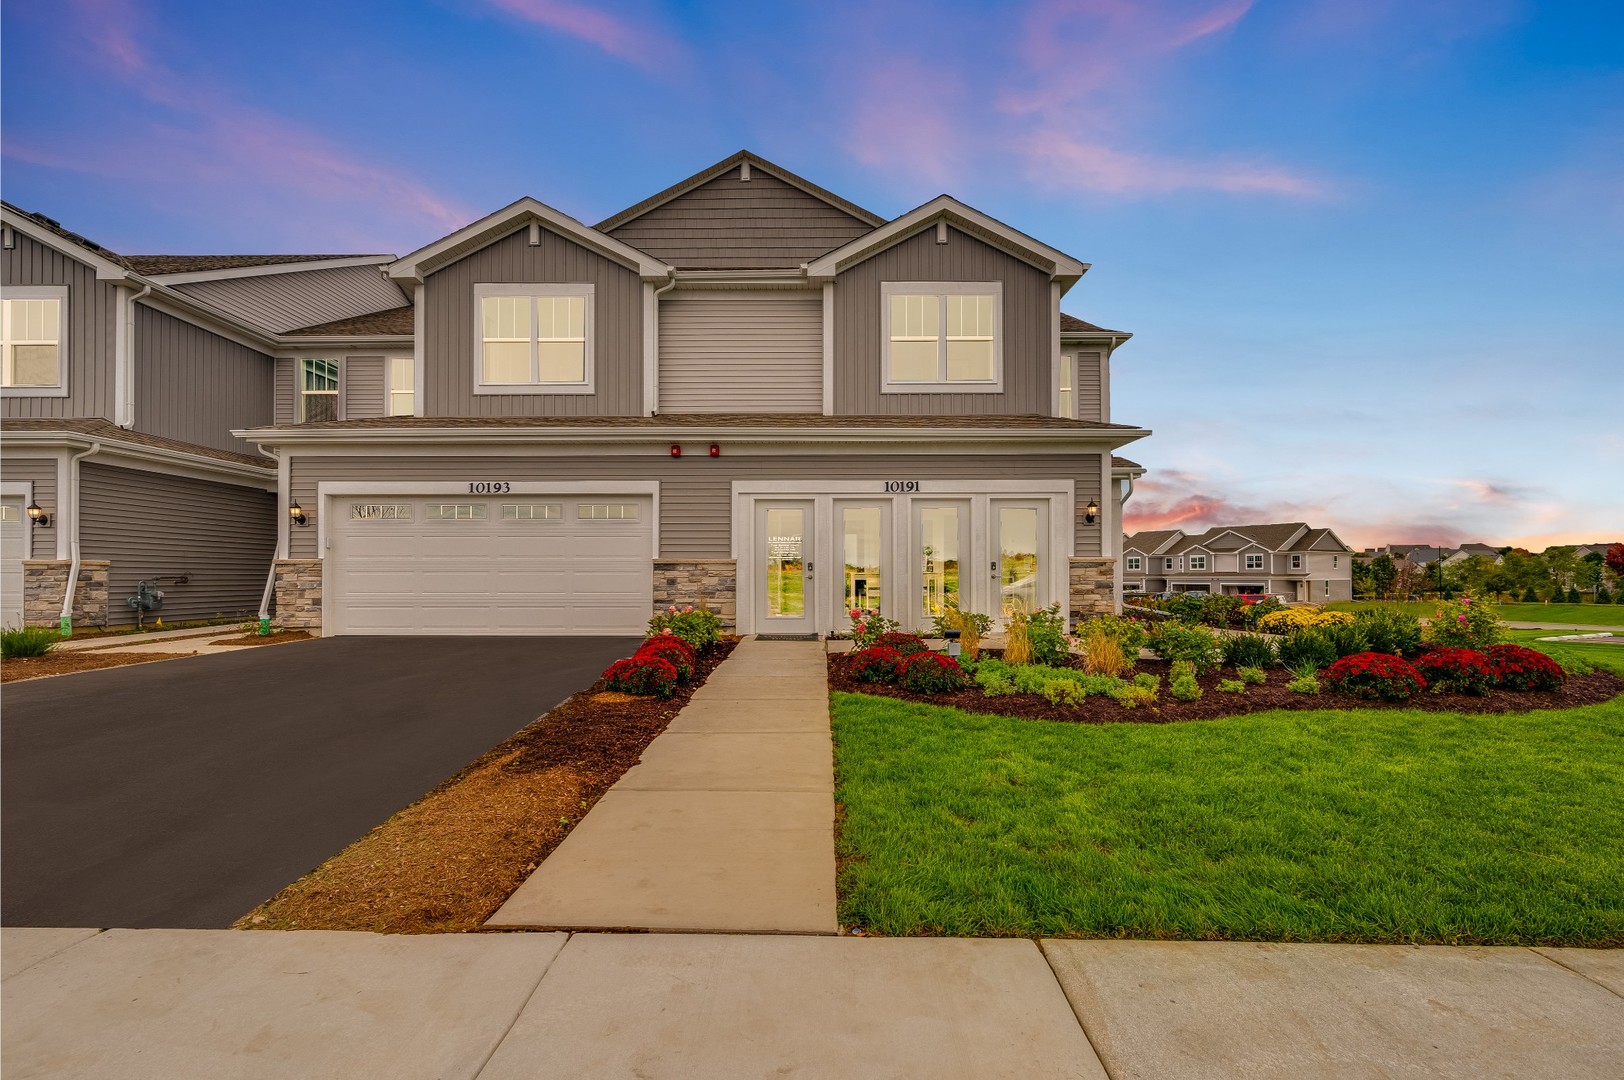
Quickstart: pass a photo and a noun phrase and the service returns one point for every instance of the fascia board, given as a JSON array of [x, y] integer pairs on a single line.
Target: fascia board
[[106, 269], [1060, 265], [270, 269], [112, 446], [271, 436]]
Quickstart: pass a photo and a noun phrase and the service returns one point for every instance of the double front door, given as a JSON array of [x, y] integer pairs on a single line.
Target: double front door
[[810, 572]]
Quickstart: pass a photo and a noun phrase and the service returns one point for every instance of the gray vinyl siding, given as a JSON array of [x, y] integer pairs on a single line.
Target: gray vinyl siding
[[147, 524], [196, 386], [1028, 343], [695, 491], [740, 352], [41, 472], [363, 387], [1090, 397], [293, 300], [285, 395], [92, 315], [450, 319], [730, 224]]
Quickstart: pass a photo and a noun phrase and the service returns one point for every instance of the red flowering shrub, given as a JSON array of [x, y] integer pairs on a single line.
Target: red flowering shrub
[[876, 664], [932, 673], [672, 648], [1462, 671], [1517, 667], [642, 674], [1374, 675], [903, 642]]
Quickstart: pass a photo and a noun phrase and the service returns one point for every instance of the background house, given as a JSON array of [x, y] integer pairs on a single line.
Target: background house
[[1290, 560]]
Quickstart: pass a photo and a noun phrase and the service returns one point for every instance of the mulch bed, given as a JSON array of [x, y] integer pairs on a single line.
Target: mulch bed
[[1576, 690], [67, 663], [276, 638], [448, 861]]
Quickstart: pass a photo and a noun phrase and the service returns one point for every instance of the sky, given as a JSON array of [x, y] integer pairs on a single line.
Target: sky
[[1371, 251]]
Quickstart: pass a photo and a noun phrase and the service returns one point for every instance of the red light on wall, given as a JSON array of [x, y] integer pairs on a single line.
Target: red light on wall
[[676, 451], [716, 449]]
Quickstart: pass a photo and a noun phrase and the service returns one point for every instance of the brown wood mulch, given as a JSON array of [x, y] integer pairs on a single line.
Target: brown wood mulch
[[277, 638], [445, 863], [67, 663], [1576, 690]]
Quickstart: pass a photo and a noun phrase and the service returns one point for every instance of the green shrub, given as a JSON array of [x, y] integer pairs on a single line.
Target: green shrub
[[1346, 638], [1304, 671], [1231, 686], [1046, 630], [1471, 622], [1308, 648], [1220, 611], [1185, 688], [1389, 630], [1304, 684], [1602, 595], [699, 626], [1131, 697], [1064, 692], [1148, 681], [1180, 668], [1530, 596], [994, 683], [27, 641], [996, 679], [1573, 595], [1178, 641], [1250, 650], [1252, 676], [1253, 612]]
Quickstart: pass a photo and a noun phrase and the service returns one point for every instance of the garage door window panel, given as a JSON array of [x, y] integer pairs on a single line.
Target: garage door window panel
[[532, 512], [607, 511], [380, 511], [534, 339], [455, 511]]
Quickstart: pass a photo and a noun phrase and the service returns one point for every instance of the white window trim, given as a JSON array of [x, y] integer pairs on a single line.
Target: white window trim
[[389, 391], [44, 292], [483, 290], [1246, 561], [942, 289], [1198, 562], [1295, 562], [299, 391], [1133, 562]]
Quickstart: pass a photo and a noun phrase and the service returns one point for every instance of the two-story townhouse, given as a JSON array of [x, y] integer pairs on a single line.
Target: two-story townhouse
[[1289, 560], [124, 377], [744, 390]]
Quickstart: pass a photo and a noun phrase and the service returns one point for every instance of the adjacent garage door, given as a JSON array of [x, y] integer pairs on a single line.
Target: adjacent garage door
[[533, 564], [13, 546]]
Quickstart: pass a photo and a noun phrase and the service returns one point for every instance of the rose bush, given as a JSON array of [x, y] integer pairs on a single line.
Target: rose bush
[[642, 674], [671, 648], [932, 673], [875, 664], [1471, 622]]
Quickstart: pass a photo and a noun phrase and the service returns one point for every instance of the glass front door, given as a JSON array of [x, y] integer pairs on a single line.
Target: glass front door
[[939, 550], [863, 537], [784, 568], [1022, 561]]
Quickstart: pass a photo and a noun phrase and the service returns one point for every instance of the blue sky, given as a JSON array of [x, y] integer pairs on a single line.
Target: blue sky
[[1372, 252]]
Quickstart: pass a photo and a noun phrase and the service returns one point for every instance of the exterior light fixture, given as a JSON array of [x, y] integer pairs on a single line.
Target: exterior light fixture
[[296, 513], [38, 516], [1091, 512], [676, 450], [716, 449]]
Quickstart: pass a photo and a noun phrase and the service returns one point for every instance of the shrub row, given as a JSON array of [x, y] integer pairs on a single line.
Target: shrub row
[[667, 657], [919, 670], [1445, 670]]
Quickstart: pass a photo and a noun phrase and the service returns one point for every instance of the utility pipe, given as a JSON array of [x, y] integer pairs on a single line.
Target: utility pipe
[[72, 499]]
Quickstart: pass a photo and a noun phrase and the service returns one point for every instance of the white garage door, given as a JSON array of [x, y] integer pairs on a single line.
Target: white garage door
[[532, 564], [13, 546]]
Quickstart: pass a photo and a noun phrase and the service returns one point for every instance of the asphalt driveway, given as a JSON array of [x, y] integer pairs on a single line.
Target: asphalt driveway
[[181, 794]]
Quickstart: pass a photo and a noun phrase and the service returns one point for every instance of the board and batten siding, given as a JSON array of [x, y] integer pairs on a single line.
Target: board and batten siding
[[450, 320], [695, 492], [1028, 324], [41, 472], [92, 315], [296, 299], [222, 537], [196, 386], [740, 352], [732, 224]]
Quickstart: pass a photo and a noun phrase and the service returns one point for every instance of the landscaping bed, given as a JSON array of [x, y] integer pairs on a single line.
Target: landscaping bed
[[448, 861], [1576, 690], [67, 663]]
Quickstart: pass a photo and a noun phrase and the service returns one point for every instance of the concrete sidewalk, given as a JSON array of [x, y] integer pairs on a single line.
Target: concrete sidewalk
[[222, 1004], [727, 824]]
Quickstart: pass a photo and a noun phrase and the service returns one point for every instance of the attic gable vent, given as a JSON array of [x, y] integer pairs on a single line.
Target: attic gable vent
[[744, 172]]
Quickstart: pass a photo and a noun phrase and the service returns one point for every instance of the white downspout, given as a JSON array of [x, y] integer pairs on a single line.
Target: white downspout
[[125, 377], [280, 553], [72, 499], [653, 404]]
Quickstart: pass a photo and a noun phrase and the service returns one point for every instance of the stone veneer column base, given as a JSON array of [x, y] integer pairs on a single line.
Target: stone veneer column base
[[46, 580], [715, 582], [298, 594], [1093, 588]]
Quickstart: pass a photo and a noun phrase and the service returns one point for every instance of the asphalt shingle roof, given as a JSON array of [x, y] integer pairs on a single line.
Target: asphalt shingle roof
[[107, 431]]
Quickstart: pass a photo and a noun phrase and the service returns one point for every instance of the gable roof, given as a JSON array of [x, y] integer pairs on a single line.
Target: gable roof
[[968, 219], [1150, 540], [395, 322], [107, 263], [704, 176]]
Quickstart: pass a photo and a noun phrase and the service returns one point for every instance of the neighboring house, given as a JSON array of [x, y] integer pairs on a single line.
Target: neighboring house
[[744, 390], [1290, 560], [124, 378]]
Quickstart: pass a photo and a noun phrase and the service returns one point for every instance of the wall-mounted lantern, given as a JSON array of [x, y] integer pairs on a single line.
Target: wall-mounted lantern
[[1091, 512], [296, 513], [38, 516]]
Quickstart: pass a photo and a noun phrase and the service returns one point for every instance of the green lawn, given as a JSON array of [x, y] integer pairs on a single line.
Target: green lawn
[[1572, 614], [1366, 825], [1575, 655]]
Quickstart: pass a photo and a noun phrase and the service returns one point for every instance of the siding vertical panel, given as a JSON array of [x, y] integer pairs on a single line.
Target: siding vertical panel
[[739, 352], [92, 309], [1089, 392], [284, 393], [1026, 327], [148, 524], [196, 386]]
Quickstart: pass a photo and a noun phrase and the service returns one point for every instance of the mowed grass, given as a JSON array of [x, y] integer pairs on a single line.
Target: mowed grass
[[1549, 614], [1369, 825], [1572, 655]]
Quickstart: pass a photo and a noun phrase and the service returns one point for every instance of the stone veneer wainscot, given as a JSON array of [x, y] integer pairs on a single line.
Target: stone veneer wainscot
[[298, 594], [713, 582], [46, 580], [1093, 587]]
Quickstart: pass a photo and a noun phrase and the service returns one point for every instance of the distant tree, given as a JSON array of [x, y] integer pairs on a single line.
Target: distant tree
[[1602, 595], [1573, 595], [1562, 562], [1588, 574], [1383, 576], [1530, 596], [1615, 559]]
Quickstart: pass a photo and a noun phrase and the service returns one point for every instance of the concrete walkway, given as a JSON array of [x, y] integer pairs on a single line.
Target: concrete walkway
[[222, 1004], [726, 825]]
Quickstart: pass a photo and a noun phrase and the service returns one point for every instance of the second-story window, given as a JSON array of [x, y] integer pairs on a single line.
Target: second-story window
[[402, 373], [1198, 562], [1133, 562], [1254, 562], [1068, 391], [1296, 562], [942, 336], [32, 331], [535, 339], [318, 389]]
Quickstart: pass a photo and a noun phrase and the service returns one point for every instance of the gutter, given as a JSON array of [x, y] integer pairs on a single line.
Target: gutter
[[66, 617]]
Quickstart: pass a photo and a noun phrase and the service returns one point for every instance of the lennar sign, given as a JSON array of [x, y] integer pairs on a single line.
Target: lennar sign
[[784, 548]]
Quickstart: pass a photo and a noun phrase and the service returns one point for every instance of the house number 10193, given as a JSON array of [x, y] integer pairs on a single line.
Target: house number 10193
[[489, 487], [901, 485]]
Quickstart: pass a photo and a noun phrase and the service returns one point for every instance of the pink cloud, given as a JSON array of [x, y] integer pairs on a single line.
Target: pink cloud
[[633, 43], [904, 114], [1057, 160]]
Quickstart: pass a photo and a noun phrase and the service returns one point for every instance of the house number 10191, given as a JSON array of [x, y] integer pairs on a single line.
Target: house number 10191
[[901, 485], [489, 487]]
